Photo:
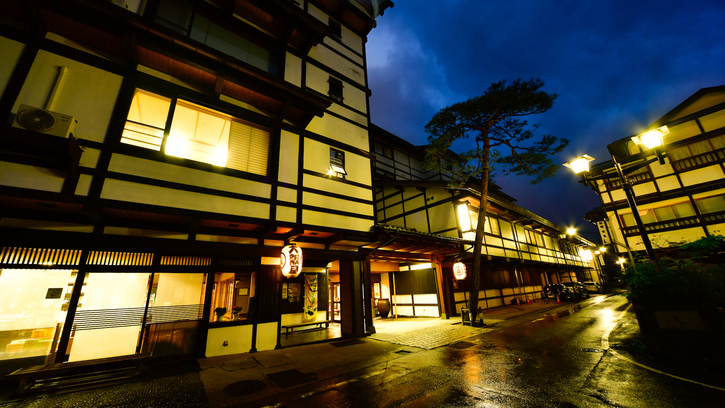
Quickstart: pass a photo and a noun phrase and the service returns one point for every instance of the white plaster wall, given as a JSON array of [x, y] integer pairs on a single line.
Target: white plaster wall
[[659, 170], [267, 336], [340, 130], [338, 204], [146, 194], [644, 188], [293, 69], [332, 186], [87, 93], [417, 220], [442, 217], [668, 183], [318, 80], [713, 121], [286, 214], [348, 37], [31, 177], [185, 175], [239, 340], [339, 221], [682, 131], [702, 175], [289, 157]]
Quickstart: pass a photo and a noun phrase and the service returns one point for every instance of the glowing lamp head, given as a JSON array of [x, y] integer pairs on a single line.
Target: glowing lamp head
[[571, 231], [290, 260], [653, 138], [459, 271], [580, 164]]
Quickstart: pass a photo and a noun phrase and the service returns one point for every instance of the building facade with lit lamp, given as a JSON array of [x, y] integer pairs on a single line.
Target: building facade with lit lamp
[[157, 157], [677, 189], [431, 227]]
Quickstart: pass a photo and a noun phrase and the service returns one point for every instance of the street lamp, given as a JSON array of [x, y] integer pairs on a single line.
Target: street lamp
[[651, 140]]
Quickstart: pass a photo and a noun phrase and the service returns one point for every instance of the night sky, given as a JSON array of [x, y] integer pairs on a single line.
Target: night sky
[[617, 66]]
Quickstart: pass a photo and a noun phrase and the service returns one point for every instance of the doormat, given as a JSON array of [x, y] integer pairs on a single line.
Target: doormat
[[291, 378], [246, 387], [347, 343]]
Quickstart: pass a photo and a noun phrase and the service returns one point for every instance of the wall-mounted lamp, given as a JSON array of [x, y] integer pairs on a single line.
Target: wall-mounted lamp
[[459, 271]]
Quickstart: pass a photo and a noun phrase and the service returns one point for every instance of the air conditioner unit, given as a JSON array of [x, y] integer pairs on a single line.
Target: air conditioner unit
[[44, 121]]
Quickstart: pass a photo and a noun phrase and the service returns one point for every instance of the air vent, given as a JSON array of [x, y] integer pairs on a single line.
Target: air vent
[[43, 121]]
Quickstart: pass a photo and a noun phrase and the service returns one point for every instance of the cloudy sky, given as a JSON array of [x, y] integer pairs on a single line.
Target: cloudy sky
[[616, 66]]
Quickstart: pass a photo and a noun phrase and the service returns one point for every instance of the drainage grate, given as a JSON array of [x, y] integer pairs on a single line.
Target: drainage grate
[[403, 352], [347, 343], [247, 387], [461, 345], [591, 350]]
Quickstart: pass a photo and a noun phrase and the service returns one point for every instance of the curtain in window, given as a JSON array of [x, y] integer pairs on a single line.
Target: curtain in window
[[700, 147]]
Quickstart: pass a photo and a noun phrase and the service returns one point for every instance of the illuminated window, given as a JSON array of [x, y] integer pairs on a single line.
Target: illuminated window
[[660, 214], [337, 163], [232, 295], [195, 133], [335, 91]]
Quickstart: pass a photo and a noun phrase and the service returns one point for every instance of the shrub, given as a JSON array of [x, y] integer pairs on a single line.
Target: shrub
[[681, 278]]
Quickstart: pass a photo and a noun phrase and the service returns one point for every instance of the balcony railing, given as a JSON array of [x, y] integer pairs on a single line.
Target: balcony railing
[[701, 160], [678, 223]]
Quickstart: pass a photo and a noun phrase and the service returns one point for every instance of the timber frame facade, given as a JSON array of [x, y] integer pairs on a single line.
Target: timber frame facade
[[679, 201], [522, 251], [192, 141]]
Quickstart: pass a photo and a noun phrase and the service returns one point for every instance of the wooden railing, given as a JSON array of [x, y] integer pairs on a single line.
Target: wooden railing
[[702, 219], [701, 160]]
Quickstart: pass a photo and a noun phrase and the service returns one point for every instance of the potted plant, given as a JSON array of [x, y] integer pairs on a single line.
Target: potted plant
[[220, 312], [235, 312]]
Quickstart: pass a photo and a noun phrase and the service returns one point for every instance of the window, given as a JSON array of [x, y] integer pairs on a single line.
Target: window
[[337, 163], [660, 214], [335, 30], [178, 15], [335, 91], [232, 295], [711, 204], [233, 44], [383, 150], [195, 133], [175, 14], [491, 226]]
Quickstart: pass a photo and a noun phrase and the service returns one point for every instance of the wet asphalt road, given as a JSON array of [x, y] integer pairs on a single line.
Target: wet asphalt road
[[537, 360], [533, 361]]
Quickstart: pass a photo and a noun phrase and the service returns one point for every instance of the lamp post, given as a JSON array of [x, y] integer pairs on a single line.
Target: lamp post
[[651, 140]]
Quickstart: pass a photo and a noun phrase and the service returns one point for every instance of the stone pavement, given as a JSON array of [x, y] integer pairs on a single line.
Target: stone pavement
[[261, 379]]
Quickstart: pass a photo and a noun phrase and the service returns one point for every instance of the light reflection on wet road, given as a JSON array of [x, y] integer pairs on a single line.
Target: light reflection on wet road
[[537, 360]]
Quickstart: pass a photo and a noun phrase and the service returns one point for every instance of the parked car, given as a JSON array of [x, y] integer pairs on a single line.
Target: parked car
[[592, 287], [564, 293], [579, 289]]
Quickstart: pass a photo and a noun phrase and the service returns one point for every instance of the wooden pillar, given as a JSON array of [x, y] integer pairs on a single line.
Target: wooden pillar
[[441, 288], [368, 296], [351, 306]]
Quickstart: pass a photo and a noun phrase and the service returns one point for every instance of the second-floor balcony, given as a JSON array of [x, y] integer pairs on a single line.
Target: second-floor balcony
[[678, 223]]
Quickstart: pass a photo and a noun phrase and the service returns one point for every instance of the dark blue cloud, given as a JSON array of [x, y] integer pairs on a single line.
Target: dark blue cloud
[[617, 66]]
